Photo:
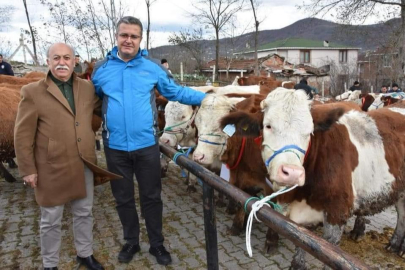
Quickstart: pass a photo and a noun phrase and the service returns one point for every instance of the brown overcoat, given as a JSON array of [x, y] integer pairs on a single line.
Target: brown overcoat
[[54, 143]]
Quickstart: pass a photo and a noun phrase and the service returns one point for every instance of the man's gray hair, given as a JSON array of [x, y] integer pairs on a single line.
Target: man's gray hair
[[130, 20], [49, 49]]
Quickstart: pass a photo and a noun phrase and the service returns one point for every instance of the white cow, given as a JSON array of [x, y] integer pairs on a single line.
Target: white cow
[[179, 128], [377, 104], [204, 88], [235, 82], [211, 138], [236, 89], [349, 95]]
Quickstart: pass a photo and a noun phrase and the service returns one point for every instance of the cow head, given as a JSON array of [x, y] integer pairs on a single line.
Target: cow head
[[179, 128], [211, 138], [343, 96], [388, 100], [287, 126]]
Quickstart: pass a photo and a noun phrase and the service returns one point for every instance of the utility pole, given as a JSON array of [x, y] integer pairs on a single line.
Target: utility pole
[[24, 47]]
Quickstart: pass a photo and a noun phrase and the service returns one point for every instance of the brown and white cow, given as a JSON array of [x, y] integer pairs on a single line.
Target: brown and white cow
[[344, 162], [366, 151]]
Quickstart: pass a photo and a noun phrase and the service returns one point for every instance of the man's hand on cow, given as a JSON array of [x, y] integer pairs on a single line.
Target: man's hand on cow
[[31, 180]]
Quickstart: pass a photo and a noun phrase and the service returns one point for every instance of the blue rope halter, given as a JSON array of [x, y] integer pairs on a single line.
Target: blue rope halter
[[282, 150]]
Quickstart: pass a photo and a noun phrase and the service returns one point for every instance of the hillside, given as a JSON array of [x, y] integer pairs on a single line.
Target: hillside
[[366, 37]]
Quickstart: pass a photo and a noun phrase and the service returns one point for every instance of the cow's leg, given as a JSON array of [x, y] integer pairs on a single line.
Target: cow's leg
[[191, 181], [332, 234], [11, 163], [221, 200], [163, 166], [232, 207], [271, 243], [359, 228], [98, 145], [9, 178], [396, 242], [298, 261], [238, 222]]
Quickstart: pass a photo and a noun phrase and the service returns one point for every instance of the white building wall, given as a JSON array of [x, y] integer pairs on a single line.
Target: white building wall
[[323, 57]]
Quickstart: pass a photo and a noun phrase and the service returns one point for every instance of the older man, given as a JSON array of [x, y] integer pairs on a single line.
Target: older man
[[54, 144], [125, 80]]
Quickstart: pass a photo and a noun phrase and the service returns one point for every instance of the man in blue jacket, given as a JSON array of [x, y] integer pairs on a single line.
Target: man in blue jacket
[[125, 81]]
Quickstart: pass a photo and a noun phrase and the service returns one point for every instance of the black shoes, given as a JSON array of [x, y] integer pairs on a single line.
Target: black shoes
[[162, 256], [127, 253], [50, 268], [90, 263]]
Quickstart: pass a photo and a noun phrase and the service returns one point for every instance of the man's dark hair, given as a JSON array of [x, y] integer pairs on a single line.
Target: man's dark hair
[[304, 81], [130, 20], [163, 61], [1, 55], [356, 82]]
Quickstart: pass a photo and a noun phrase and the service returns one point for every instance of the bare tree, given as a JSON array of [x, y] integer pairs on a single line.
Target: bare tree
[[191, 40], [349, 11], [255, 4], [60, 16], [5, 47], [216, 13], [32, 31], [148, 4], [94, 26], [6, 13], [234, 35]]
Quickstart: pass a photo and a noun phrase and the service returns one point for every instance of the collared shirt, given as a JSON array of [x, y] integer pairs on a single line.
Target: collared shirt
[[67, 90]]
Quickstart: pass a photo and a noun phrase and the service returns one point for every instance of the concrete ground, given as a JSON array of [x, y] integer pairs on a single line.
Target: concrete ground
[[183, 230]]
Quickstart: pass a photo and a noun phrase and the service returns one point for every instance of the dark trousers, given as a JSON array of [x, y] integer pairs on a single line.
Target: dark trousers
[[145, 163]]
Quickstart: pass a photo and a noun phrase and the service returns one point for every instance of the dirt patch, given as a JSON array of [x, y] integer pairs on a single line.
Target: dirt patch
[[371, 250]]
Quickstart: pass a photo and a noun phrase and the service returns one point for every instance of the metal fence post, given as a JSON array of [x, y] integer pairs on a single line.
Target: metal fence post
[[210, 227]]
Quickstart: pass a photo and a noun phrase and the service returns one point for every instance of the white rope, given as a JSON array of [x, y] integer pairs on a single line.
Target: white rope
[[256, 207]]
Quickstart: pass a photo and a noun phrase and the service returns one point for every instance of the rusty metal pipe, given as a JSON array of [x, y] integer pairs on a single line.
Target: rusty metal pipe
[[318, 247]]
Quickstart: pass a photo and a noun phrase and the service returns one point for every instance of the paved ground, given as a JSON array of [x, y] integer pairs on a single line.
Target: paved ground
[[183, 229]]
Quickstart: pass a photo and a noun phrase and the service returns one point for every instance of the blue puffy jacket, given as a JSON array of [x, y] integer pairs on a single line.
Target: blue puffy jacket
[[127, 90]]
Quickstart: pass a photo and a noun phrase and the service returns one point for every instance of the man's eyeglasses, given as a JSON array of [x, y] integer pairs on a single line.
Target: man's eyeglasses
[[126, 36]]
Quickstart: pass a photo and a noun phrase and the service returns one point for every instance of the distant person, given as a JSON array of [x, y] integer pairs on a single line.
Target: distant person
[[303, 85], [5, 68], [93, 60], [395, 88], [355, 86], [384, 89], [165, 64], [78, 67]]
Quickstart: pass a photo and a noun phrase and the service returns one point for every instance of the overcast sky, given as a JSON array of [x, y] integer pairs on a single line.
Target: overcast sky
[[167, 16]]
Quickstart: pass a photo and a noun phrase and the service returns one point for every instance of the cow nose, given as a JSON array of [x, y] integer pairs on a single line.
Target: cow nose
[[291, 175], [198, 157], [164, 141]]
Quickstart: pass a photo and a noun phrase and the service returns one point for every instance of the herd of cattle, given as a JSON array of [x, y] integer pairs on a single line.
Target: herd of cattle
[[345, 157]]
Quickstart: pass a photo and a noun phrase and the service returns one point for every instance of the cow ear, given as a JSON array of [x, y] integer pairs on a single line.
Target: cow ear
[[263, 104], [324, 120], [246, 124]]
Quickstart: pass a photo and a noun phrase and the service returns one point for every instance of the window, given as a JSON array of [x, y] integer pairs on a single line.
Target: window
[[305, 56], [343, 56], [387, 60]]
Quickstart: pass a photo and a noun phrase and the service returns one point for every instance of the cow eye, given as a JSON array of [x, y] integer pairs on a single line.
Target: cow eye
[[268, 126], [183, 117]]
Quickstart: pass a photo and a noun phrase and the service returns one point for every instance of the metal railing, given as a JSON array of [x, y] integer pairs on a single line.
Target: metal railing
[[318, 247]]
